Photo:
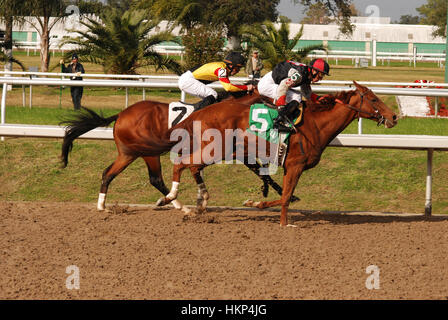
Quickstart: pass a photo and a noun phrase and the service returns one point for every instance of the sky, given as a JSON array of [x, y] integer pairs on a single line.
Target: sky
[[386, 8]]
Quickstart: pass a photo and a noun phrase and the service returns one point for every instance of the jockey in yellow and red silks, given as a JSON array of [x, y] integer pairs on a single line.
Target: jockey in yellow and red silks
[[194, 81]]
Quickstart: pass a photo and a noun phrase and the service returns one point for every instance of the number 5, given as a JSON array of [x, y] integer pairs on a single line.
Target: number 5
[[256, 117]]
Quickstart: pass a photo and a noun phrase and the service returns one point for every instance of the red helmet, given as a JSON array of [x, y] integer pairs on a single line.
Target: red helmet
[[320, 65]]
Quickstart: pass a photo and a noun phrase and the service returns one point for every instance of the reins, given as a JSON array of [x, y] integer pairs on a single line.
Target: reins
[[359, 110]]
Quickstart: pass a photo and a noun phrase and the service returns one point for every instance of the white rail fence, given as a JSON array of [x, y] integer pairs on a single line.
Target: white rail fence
[[383, 56], [374, 57], [147, 82], [428, 143]]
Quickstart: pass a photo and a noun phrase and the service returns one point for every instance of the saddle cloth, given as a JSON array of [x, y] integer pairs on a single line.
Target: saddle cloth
[[261, 121], [177, 112]]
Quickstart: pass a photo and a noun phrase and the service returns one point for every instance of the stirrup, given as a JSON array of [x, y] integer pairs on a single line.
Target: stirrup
[[281, 126]]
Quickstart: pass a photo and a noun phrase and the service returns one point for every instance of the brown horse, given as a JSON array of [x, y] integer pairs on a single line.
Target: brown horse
[[320, 126], [134, 129]]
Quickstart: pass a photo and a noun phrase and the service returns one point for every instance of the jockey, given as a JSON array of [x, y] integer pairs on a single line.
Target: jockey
[[286, 75], [194, 81]]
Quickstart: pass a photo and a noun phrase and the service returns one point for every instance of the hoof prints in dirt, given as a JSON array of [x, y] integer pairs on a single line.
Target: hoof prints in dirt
[[117, 209], [203, 218]]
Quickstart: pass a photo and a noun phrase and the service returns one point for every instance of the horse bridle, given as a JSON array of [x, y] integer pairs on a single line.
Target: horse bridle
[[377, 115]]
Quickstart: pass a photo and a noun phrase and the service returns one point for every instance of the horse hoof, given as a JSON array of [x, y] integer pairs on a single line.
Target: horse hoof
[[160, 202], [248, 203], [188, 212], [200, 210]]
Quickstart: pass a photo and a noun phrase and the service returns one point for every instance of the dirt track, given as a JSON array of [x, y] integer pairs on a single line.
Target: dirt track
[[142, 253]]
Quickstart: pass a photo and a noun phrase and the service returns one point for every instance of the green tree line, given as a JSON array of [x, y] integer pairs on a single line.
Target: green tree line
[[121, 34]]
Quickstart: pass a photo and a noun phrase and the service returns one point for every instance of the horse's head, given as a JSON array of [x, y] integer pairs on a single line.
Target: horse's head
[[372, 107]]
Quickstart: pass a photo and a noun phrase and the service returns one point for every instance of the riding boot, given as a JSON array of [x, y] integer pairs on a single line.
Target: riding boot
[[208, 100], [283, 123]]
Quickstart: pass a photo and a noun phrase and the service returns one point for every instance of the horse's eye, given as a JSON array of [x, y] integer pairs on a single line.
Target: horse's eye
[[374, 100]]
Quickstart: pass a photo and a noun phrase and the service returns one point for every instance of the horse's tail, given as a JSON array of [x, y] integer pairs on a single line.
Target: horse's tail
[[83, 122]]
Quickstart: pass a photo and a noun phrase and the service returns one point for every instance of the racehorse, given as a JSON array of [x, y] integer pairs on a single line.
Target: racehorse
[[320, 125], [133, 131]]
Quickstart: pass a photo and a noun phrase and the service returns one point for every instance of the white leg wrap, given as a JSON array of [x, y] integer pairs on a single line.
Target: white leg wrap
[[101, 201], [176, 204], [173, 193]]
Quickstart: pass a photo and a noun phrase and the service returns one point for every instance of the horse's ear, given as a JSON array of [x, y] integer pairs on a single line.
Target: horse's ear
[[357, 85]]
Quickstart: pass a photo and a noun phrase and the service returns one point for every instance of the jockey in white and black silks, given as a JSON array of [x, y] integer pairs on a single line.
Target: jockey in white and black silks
[[194, 81], [286, 75]]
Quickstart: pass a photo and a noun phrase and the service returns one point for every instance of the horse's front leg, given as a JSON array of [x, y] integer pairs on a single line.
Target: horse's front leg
[[290, 180], [267, 181]]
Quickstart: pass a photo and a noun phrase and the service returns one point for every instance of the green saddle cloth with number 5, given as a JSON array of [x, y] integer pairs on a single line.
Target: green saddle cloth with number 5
[[261, 123]]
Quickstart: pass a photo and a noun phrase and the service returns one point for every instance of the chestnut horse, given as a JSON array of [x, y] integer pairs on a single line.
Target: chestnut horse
[[319, 127], [133, 130]]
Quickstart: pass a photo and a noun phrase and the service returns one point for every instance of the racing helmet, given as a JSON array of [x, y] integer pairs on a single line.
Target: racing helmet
[[235, 58], [320, 65]]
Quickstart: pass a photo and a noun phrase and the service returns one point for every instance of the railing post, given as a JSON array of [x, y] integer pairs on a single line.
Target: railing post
[[144, 89], [31, 95], [23, 95], [5, 88], [3, 106], [127, 97], [428, 202], [182, 96], [436, 107]]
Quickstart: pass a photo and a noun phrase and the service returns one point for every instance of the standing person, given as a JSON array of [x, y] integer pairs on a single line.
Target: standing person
[[286, 75], [254, 66], [76, 91], [194, 81]]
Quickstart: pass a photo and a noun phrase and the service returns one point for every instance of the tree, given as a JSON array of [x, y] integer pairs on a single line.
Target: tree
[[434, 13], [340, 9], [234, 13], [275, 44], [44, 16], [10, 11], [408, 19], [317, 13], [231, 13], [8, 59], [203, 44], [119, 41], [354, 12]]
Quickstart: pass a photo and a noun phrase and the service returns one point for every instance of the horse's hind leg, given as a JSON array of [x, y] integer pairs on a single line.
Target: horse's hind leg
[[109, 174], [203, 196], [156, 179], [172, 195]]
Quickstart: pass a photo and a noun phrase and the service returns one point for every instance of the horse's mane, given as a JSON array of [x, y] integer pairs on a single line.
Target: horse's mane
[[330, 101]]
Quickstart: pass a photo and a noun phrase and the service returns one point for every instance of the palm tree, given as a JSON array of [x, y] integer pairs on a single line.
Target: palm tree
[[274, 44], [10, 12], [121, 43], [6, 58]]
